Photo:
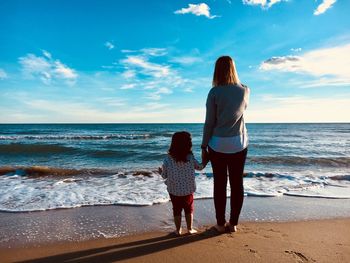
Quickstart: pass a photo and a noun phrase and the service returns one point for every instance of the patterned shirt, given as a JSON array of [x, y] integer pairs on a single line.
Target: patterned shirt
[[180, 176]]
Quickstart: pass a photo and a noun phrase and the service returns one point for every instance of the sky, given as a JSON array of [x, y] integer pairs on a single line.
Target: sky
[[135, 61]]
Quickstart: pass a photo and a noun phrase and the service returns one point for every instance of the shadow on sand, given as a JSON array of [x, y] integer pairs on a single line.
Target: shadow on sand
[[128, 250]]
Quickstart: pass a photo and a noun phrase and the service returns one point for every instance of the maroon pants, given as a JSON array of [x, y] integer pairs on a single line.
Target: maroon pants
[[229, 165], [182, 202]]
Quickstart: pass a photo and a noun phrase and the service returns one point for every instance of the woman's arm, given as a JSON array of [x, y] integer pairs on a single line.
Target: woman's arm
[[210, 119]]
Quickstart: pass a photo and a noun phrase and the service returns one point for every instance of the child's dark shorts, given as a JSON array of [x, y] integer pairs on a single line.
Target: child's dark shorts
[[182, 202]]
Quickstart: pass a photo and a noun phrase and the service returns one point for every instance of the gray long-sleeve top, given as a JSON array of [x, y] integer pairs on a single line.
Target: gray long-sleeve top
[[225, 107]]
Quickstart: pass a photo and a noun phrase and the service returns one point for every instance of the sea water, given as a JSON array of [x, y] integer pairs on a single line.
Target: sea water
[[52, 166]]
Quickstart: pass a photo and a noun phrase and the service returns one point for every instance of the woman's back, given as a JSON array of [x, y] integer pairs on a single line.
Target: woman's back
[[225, 107]]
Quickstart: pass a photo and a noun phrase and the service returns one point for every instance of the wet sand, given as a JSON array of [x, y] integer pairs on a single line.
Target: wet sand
[[304, 241], [286, 229]]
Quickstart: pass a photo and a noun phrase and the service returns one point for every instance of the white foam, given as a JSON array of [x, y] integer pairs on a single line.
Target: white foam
[[21, 193]]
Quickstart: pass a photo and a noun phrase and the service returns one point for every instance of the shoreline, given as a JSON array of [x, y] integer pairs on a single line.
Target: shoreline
[[326, 240], [23, 229]]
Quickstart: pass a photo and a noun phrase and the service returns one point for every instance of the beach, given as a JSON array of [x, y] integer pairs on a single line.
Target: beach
[[271, 230], [91, 192]]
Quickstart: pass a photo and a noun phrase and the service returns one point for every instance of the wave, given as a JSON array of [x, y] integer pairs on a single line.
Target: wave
[[38, 188], [341, 177], [38, 171], [305, 161], [20, 148], [76, 137]]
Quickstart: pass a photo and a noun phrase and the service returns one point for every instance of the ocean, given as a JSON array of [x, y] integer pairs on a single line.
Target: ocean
[[55, 166]]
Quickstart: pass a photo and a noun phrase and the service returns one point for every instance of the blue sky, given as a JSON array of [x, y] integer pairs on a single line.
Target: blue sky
[[152, 61]]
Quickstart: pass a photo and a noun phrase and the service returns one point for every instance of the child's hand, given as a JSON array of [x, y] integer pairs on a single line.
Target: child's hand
[[160, 170]]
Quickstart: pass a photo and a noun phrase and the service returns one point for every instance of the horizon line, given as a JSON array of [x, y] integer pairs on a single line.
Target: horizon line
[[16, 123]]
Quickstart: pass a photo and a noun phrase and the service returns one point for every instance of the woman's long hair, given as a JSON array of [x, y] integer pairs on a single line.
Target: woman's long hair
[[181, 146], [225, 72]]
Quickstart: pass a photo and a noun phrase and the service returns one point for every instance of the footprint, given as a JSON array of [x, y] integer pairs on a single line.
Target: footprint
[[252, 251], [300, 256]]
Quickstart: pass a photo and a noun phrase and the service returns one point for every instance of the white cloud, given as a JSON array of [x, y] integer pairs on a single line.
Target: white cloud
[[156, 52], [156, 79], [46, 68], [324, 6], [59, 111], [325, 62], [156, 95], [128, 51], [128, 86], [47, 54], [262, 3], [201, 9], [147, 68], [186, 60], [109, 45], [63, 71], [152, 51], [296, 49], [112, 102], [128, 74], [3, 74], [299, 109]]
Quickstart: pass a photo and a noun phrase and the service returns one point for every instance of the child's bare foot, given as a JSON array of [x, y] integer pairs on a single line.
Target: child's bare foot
[[192, 231]]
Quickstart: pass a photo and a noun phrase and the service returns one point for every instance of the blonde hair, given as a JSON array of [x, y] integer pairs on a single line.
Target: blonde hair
[[225, 72]]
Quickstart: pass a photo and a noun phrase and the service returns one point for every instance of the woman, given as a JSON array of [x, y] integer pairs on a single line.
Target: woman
[[225, 139]]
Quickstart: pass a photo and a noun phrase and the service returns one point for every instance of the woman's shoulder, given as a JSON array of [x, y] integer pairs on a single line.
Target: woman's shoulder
[[245, 87]]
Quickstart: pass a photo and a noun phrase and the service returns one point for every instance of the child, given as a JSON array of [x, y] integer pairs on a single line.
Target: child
[[179, 171]]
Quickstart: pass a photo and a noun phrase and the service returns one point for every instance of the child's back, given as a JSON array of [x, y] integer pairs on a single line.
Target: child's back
[[180, 176]]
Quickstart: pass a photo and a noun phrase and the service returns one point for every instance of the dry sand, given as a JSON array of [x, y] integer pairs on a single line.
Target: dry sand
[[303, 241]]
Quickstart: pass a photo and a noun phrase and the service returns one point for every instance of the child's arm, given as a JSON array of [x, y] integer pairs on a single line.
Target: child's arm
[[163, 171], [200, 166]]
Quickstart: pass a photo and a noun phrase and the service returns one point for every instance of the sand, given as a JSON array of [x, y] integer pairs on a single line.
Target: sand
[[286, 229], [303, 241]]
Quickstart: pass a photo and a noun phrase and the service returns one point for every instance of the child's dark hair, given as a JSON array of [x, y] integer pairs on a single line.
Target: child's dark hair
[[181, 145]]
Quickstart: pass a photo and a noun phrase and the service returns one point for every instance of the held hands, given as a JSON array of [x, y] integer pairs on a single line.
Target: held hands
[[160, 170], [205, 157]]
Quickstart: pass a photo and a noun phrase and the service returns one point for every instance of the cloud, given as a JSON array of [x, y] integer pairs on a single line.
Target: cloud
[[46, 69], [186, 60], [146, 67], [325, 62], [58, 111], [128, 86], [273, 108], [3, 74], [155, 78], [296, 49], [112, 102], [263, 3], [324, 6], [47, 54], [155, 52], [156, 95], [201, 9], [128, 74], [109, 45]]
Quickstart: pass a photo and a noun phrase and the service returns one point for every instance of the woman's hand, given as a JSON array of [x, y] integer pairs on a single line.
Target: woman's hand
[[205, 156]]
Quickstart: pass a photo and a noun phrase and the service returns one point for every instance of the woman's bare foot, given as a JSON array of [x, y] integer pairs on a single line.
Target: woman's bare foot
[[178, 232], [192, 231], [220, 229], [231, 227]]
